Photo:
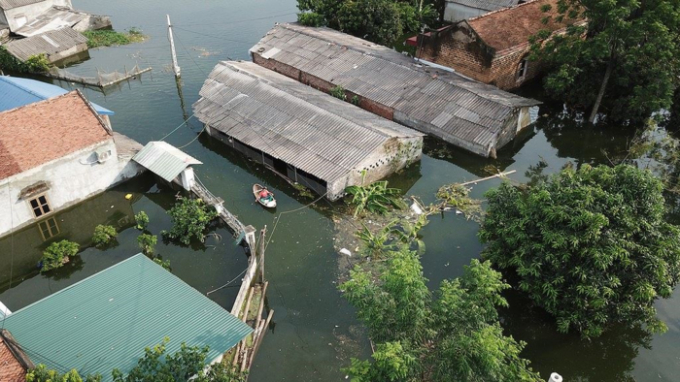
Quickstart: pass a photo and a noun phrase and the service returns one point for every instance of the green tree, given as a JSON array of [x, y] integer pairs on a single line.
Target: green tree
[[590, 246], [451, 335], [42, 374], [380, 21], [625, 60], [103, 234], [190, 218], [58, 254]]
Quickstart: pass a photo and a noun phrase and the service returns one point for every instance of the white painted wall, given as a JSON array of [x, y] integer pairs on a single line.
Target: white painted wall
[[72, 179], [19, 16]]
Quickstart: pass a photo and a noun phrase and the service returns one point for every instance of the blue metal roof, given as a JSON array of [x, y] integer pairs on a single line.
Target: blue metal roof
[[105, 321], [16, 92]]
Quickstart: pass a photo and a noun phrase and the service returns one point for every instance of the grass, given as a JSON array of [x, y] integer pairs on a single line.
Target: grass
[[98, 38]]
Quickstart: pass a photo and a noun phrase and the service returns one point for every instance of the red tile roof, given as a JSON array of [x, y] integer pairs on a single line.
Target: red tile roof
[[509, 27], [38, 133], [11, 368]]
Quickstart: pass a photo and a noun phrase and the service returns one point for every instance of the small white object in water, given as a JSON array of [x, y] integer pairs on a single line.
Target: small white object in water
[[458, 212], [346, 251], [416, 208]]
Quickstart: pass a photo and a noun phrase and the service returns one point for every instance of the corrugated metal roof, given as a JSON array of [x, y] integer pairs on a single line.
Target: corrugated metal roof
[[106, 321], [9, 4], [487, 5], [388, 77], [302, 126], [164, 160], [52, 19], [16, 92], [50, 43]]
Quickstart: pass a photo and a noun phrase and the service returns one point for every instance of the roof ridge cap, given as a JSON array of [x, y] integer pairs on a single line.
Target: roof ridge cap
[[108, 130]]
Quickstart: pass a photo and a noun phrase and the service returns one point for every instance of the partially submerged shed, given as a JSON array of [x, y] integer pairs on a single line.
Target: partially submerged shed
[[106, 321], [469, 114], [168, 162], [301, 133], [57, 45], [60, 17]]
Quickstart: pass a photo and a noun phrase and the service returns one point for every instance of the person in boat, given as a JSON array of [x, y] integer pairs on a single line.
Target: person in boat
[[265, 195]]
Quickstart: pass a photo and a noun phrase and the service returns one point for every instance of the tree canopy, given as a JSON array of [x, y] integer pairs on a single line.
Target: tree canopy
[[450, 335], [625, 59], [590, 246], [380, 21]]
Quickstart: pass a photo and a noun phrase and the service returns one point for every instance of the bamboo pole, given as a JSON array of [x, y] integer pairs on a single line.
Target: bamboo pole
[[256, 347], [260, 253], [499, 175]]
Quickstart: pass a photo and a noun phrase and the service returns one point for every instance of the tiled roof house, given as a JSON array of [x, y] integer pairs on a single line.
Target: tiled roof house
[[493, 48]]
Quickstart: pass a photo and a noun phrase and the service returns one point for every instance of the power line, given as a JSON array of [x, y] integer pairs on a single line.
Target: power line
[[213, 36]]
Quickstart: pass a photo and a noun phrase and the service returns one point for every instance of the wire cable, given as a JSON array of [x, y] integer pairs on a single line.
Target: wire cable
[[227, 284]]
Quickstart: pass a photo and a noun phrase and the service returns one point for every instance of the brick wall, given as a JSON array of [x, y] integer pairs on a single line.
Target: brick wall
[[322, 85], [460, 49]]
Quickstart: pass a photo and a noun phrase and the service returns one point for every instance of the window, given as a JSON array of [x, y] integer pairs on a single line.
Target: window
[[48, 228], [522, 69], [40, 206]]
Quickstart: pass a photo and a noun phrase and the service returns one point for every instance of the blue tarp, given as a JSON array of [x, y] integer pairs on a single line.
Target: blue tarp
[[16, 92]]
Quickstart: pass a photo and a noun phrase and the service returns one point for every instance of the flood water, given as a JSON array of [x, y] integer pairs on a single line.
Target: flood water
[[315, 330]]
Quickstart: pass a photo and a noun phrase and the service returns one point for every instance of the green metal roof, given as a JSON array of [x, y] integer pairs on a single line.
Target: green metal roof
[[106, 321]]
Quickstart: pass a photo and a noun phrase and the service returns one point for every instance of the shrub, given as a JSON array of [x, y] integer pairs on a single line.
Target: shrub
[[57, 254], [98, 38], [190, 218], [34, 64], [376, 198], [103, 234], [142, 220], [147, 243], [339, 93], [355, 101]]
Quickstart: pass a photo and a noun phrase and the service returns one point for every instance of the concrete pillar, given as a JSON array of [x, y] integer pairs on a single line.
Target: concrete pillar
[[250, 238], [187, 178], [554, 377]]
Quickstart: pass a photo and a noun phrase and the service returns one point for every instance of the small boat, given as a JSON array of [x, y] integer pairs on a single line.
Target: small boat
[[268, 203]]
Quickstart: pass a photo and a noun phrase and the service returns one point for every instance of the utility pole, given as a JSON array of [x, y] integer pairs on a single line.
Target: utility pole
[[175, 66]]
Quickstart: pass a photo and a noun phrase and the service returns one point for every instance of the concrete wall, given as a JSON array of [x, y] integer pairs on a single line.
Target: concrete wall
[[71, 179], [456, 12], [17, 17]]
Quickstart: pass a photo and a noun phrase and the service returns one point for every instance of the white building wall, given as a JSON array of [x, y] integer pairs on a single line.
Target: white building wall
[[71, 179], [17, 17]]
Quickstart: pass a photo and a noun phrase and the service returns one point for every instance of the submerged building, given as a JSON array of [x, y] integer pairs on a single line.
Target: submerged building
[[105, 321], [302, 134], [467, 113], [55, 153]]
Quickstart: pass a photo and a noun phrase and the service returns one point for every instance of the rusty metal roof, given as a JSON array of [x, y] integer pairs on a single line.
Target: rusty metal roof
[[302, 126], [453, 107], [50, 43]]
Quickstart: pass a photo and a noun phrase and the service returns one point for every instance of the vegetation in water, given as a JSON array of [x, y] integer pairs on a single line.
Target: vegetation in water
[[103, 235], [375, 198], [34, 64], [339, 93], [453, 334], [189, 363], [303, 191], [590, 246], [102, 37], [458, 196], [380, 21], [623, 61], [58, 254], [147, 243], [141, 220], [163, 263], [190, 218]]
